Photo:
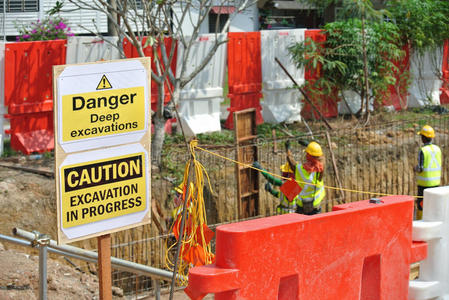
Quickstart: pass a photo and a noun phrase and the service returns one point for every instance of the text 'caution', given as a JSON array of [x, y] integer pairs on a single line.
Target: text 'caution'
[[103, 189]]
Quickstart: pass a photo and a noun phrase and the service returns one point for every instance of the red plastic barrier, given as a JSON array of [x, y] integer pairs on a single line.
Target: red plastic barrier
[[398, 92], [327, 104], [243, 101], [361, 250], [28, 92], [444, 96], [244, 74], [131, 52]]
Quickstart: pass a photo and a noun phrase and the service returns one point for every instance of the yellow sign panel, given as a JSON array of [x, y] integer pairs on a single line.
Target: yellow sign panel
[[102, 113], [103, 189]]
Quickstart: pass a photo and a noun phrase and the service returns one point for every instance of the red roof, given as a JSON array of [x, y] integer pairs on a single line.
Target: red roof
[[223, 9]]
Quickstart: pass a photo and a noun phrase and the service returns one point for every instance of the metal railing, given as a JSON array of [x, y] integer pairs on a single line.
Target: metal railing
[[45, 244]]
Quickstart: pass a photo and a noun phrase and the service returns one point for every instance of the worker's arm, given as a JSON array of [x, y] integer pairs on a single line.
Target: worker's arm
[[419, 168], [271, 179], [269, 189]]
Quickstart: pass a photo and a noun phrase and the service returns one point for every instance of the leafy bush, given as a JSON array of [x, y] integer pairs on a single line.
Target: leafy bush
[[424, 24], [51, 28], [341, 61]]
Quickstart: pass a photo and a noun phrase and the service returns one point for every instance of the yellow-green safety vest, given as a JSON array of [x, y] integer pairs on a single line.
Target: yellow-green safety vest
[[286, 206], [310, 192], [431, 174]]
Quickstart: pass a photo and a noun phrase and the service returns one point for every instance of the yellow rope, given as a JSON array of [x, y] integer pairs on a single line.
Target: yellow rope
[[287, 178], [194, 239]]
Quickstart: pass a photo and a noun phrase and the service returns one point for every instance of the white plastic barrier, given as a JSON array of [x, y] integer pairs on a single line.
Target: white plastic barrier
[[425, 71], [2, 96], [200, 99], [91, 49], [281, 103], [433, 282], [353, 101]]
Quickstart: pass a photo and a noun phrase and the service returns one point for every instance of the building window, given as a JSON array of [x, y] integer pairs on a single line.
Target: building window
[[137, 3], [19, 5], [213, 18], [218, 17]]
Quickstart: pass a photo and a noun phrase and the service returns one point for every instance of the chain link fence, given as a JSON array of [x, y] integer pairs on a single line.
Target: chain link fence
[[360, 163]]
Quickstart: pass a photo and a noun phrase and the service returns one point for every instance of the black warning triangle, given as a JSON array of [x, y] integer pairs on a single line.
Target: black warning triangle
[[104, 84]]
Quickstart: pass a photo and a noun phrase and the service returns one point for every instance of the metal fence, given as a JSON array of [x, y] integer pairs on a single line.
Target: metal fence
[[367, 161]]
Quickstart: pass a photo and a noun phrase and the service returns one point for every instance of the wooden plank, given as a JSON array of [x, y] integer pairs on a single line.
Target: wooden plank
[[246, 153]]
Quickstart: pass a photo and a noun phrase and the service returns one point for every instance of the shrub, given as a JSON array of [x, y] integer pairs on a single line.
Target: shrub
[[51, 28]]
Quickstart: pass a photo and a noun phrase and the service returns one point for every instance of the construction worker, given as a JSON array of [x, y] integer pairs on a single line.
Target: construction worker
[[285, 206], [309, 176], [429, 167]]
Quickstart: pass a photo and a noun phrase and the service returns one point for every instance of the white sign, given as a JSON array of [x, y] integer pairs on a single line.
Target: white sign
[[102, 147]]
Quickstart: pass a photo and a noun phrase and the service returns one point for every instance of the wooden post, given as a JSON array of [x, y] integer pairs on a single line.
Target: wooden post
[[104, 266], [334, 164]]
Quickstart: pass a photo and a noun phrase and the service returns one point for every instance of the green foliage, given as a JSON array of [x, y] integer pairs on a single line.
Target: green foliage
[[7, 150], [341, 57], [423, 23]]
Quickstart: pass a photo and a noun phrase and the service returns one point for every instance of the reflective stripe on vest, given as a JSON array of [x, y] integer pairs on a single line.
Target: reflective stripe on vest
[[285, 205], [431, 174], [309, 192]]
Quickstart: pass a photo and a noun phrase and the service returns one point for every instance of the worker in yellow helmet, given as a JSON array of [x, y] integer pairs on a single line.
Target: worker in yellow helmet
[[309, 176], [429, 166], [286, 205]]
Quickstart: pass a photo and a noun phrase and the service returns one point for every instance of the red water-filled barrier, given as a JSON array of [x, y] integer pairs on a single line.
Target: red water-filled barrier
[[361, 250], [131, 52], [28, 92], [444, 96], [244, 74], [398, 92], [326, 104]]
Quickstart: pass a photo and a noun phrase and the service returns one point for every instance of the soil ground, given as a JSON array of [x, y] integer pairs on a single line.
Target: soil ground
[[27, 201]]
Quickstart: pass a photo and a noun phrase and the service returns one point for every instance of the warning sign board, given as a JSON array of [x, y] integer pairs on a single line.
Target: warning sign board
[[101, 104], [102, 149]]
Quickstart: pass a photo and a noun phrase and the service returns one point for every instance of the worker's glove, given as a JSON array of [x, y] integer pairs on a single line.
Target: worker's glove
[[257, 165], [287, 145], [303, 142], [268, 187]]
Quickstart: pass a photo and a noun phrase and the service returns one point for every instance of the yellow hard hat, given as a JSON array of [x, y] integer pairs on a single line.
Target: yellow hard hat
[[427, 131], [314, 149], [285, 168]]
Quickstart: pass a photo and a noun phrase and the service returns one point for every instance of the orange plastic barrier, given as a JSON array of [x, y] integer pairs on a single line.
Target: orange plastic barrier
[[361, 250], [327, 104], [398, 92], [28, 92], [444, 96], [131, 52], [244, 74]]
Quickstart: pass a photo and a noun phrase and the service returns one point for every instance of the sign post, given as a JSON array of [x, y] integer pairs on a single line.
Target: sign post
[[102, 152]]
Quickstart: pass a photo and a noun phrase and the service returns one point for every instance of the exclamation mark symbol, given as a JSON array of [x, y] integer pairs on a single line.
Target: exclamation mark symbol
[[104, 84]]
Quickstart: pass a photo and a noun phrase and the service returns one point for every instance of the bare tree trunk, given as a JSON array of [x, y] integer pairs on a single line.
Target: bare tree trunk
[[158, 140], [159, 128], [112, 29]]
